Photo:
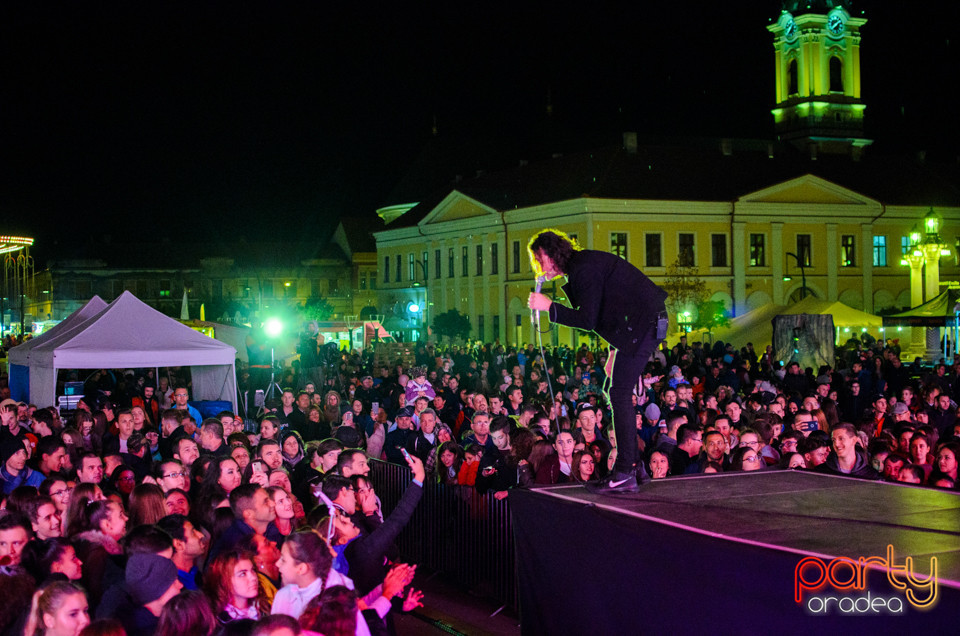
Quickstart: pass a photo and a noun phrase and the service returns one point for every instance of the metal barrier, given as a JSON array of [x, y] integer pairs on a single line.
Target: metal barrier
[[455, 531]]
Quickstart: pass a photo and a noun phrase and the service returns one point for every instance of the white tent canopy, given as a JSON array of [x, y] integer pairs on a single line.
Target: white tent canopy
[[757, 326], [95, 305], [128, 334]]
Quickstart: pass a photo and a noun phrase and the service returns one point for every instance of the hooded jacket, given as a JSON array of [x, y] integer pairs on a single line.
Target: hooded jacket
[[861, 468]]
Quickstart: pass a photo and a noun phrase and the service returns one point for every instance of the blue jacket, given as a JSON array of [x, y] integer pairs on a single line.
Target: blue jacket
[[27, 477]]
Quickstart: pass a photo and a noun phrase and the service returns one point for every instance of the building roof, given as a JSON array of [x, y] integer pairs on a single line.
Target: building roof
[[698, 170], [359, 231]]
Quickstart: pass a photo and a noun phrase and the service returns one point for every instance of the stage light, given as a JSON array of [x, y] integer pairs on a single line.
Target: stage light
[[413, 308], [273, 327]]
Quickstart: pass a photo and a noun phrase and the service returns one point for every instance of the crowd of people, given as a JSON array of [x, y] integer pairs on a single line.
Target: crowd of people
[[136, 514]]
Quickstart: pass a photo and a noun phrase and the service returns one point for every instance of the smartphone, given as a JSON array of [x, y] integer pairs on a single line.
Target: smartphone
[[406, 455], [374, 409], [258, 467]]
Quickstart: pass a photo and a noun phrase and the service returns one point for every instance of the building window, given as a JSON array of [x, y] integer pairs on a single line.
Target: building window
[[685, 250], [516, 257], [879, 251], [718, 244], [804, 252], [654, 249], [411, 268], [494, 258], [464, 261], [426, 265], [266, 288], [481, 334], [362, 279], [848, 251], [758, 252], [904, 245], [479, 260], [496, 326], [836, 75], [373, 280], [792, 79], [450, 263], [618, 244], [519, 320], [386, 269], [436, 264], [397, 277]]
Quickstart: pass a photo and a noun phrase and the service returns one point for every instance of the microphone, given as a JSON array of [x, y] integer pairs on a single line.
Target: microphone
[[535, 315]]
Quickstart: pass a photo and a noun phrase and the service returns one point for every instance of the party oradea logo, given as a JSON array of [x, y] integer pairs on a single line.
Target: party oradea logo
[[842, 585]]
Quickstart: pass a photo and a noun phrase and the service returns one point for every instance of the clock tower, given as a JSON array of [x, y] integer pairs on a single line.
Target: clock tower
[[817, 61]]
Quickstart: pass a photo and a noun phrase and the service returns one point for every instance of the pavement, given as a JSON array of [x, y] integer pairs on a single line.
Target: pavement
[[450, 609]]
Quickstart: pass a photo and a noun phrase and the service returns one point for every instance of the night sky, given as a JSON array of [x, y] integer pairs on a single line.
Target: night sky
[[214, 121]]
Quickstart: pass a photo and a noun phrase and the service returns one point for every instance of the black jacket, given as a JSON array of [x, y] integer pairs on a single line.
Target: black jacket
[[365, 554], [610, 297], [861, 468], [419, 446]]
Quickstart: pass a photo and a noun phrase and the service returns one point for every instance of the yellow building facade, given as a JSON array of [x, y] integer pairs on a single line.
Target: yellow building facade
[[764, 222], [475, 258]]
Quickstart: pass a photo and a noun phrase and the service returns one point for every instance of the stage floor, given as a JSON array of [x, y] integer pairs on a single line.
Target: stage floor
[[795, 511], [720, 554]]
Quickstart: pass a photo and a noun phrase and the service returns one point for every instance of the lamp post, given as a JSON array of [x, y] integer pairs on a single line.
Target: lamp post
[[421, 307], [803, 274], [923, 256]]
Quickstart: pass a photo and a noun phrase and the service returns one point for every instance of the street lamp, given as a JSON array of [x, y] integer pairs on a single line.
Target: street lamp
[[923, 252], [803, 275], [416, 308]]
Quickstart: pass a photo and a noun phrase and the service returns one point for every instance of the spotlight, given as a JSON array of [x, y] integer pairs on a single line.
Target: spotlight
[[273, 327]]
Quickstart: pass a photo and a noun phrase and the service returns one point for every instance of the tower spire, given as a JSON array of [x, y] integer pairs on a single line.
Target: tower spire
[[817, 63]]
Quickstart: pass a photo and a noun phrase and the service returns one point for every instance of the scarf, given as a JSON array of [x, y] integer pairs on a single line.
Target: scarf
[[235, 613]]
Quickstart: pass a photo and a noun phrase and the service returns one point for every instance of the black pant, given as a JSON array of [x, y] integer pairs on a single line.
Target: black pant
[[619, 387]]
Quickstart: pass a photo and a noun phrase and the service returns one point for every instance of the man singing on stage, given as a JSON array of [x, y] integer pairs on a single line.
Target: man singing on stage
[[615, 300]]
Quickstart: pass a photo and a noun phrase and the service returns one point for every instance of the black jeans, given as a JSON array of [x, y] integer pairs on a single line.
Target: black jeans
[[619, 387]]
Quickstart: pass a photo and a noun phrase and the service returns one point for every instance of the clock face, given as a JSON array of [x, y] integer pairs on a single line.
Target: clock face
[[835, 24], [790, 29]]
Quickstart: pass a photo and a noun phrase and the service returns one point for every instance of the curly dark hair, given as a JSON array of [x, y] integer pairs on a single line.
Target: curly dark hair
[[555, 244]]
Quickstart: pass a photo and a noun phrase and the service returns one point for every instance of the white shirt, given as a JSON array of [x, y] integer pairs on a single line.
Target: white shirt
[[291, 599]]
